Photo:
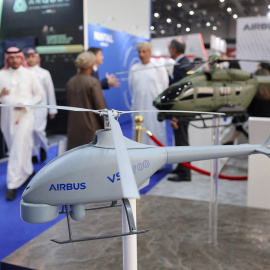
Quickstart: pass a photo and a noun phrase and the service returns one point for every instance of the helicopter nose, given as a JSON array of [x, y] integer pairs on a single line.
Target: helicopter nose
[[160, 105]]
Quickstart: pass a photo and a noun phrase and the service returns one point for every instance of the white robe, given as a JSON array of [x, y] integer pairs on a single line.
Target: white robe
[[17, 125], [45, 79], [147, 82]]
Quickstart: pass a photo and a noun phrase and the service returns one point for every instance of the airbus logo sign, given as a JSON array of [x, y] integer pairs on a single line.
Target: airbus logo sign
[[68, 186], [257, 26]]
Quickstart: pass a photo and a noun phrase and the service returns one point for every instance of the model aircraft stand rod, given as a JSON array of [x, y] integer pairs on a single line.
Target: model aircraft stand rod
[[213, 200], [130, 257]]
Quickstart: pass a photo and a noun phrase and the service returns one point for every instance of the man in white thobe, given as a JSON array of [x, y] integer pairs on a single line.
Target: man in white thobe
[[45, 79], [18, 85], [147, 80]]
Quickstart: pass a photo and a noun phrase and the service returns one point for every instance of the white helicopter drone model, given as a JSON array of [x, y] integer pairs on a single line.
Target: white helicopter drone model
[[110, 168]]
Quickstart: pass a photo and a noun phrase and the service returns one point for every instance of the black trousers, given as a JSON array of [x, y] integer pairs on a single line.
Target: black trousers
[[181, 139]]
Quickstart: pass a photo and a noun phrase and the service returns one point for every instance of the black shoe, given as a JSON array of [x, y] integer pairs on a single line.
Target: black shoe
[[11, 194], [34, 159], [43, 155], [179, 178]]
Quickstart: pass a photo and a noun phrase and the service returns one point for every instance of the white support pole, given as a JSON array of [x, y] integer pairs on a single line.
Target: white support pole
[[130, 241], [213, 202]]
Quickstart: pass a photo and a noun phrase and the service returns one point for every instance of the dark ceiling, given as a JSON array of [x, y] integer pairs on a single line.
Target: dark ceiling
[[205, 11]]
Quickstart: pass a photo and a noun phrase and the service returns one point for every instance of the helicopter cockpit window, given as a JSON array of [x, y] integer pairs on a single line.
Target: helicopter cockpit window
[[174, 91], [204, 92], [188, 94], [225, 91]]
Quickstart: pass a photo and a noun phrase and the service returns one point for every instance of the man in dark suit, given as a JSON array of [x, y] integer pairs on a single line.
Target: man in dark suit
[[179, 124], [110, 79]]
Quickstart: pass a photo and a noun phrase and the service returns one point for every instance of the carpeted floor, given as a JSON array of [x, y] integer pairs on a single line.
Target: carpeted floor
[[14, 232]]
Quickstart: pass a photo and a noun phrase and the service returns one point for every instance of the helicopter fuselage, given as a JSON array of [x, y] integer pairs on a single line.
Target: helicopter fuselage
[[214, 91], [90, 174]]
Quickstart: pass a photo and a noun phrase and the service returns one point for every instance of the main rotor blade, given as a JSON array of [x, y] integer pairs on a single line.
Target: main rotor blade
[[240, 60], [173, 111], [128, 182], [67, 108], [103, 111]]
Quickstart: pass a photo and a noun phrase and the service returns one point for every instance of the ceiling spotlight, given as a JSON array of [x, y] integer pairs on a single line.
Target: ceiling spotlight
[[195, 5], [214, 28], [191, 12], [218, 23], [229, 9], [187, 29], [204, 12], [152, 27], [169, 7], [221, 1], [212, 18], [179, 25], [199, 25], [179, 4], [268, 6], [235, 16], [162, 32], [156, 15], [208, 24], [169, 20]]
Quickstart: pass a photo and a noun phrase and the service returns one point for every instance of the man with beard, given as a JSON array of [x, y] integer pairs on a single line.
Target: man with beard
[[18, 85]]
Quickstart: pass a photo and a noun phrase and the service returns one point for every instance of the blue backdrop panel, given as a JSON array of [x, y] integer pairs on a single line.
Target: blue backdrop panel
[[120, 53]]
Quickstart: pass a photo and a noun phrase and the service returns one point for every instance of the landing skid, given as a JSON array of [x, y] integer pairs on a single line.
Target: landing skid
[[203, 124], [238, 119], [130, 219]]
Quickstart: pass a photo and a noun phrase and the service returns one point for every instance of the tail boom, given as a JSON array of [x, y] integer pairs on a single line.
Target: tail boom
[[179, 154]]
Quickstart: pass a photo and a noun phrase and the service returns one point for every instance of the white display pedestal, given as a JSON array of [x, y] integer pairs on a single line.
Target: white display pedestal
[[258, 165]]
